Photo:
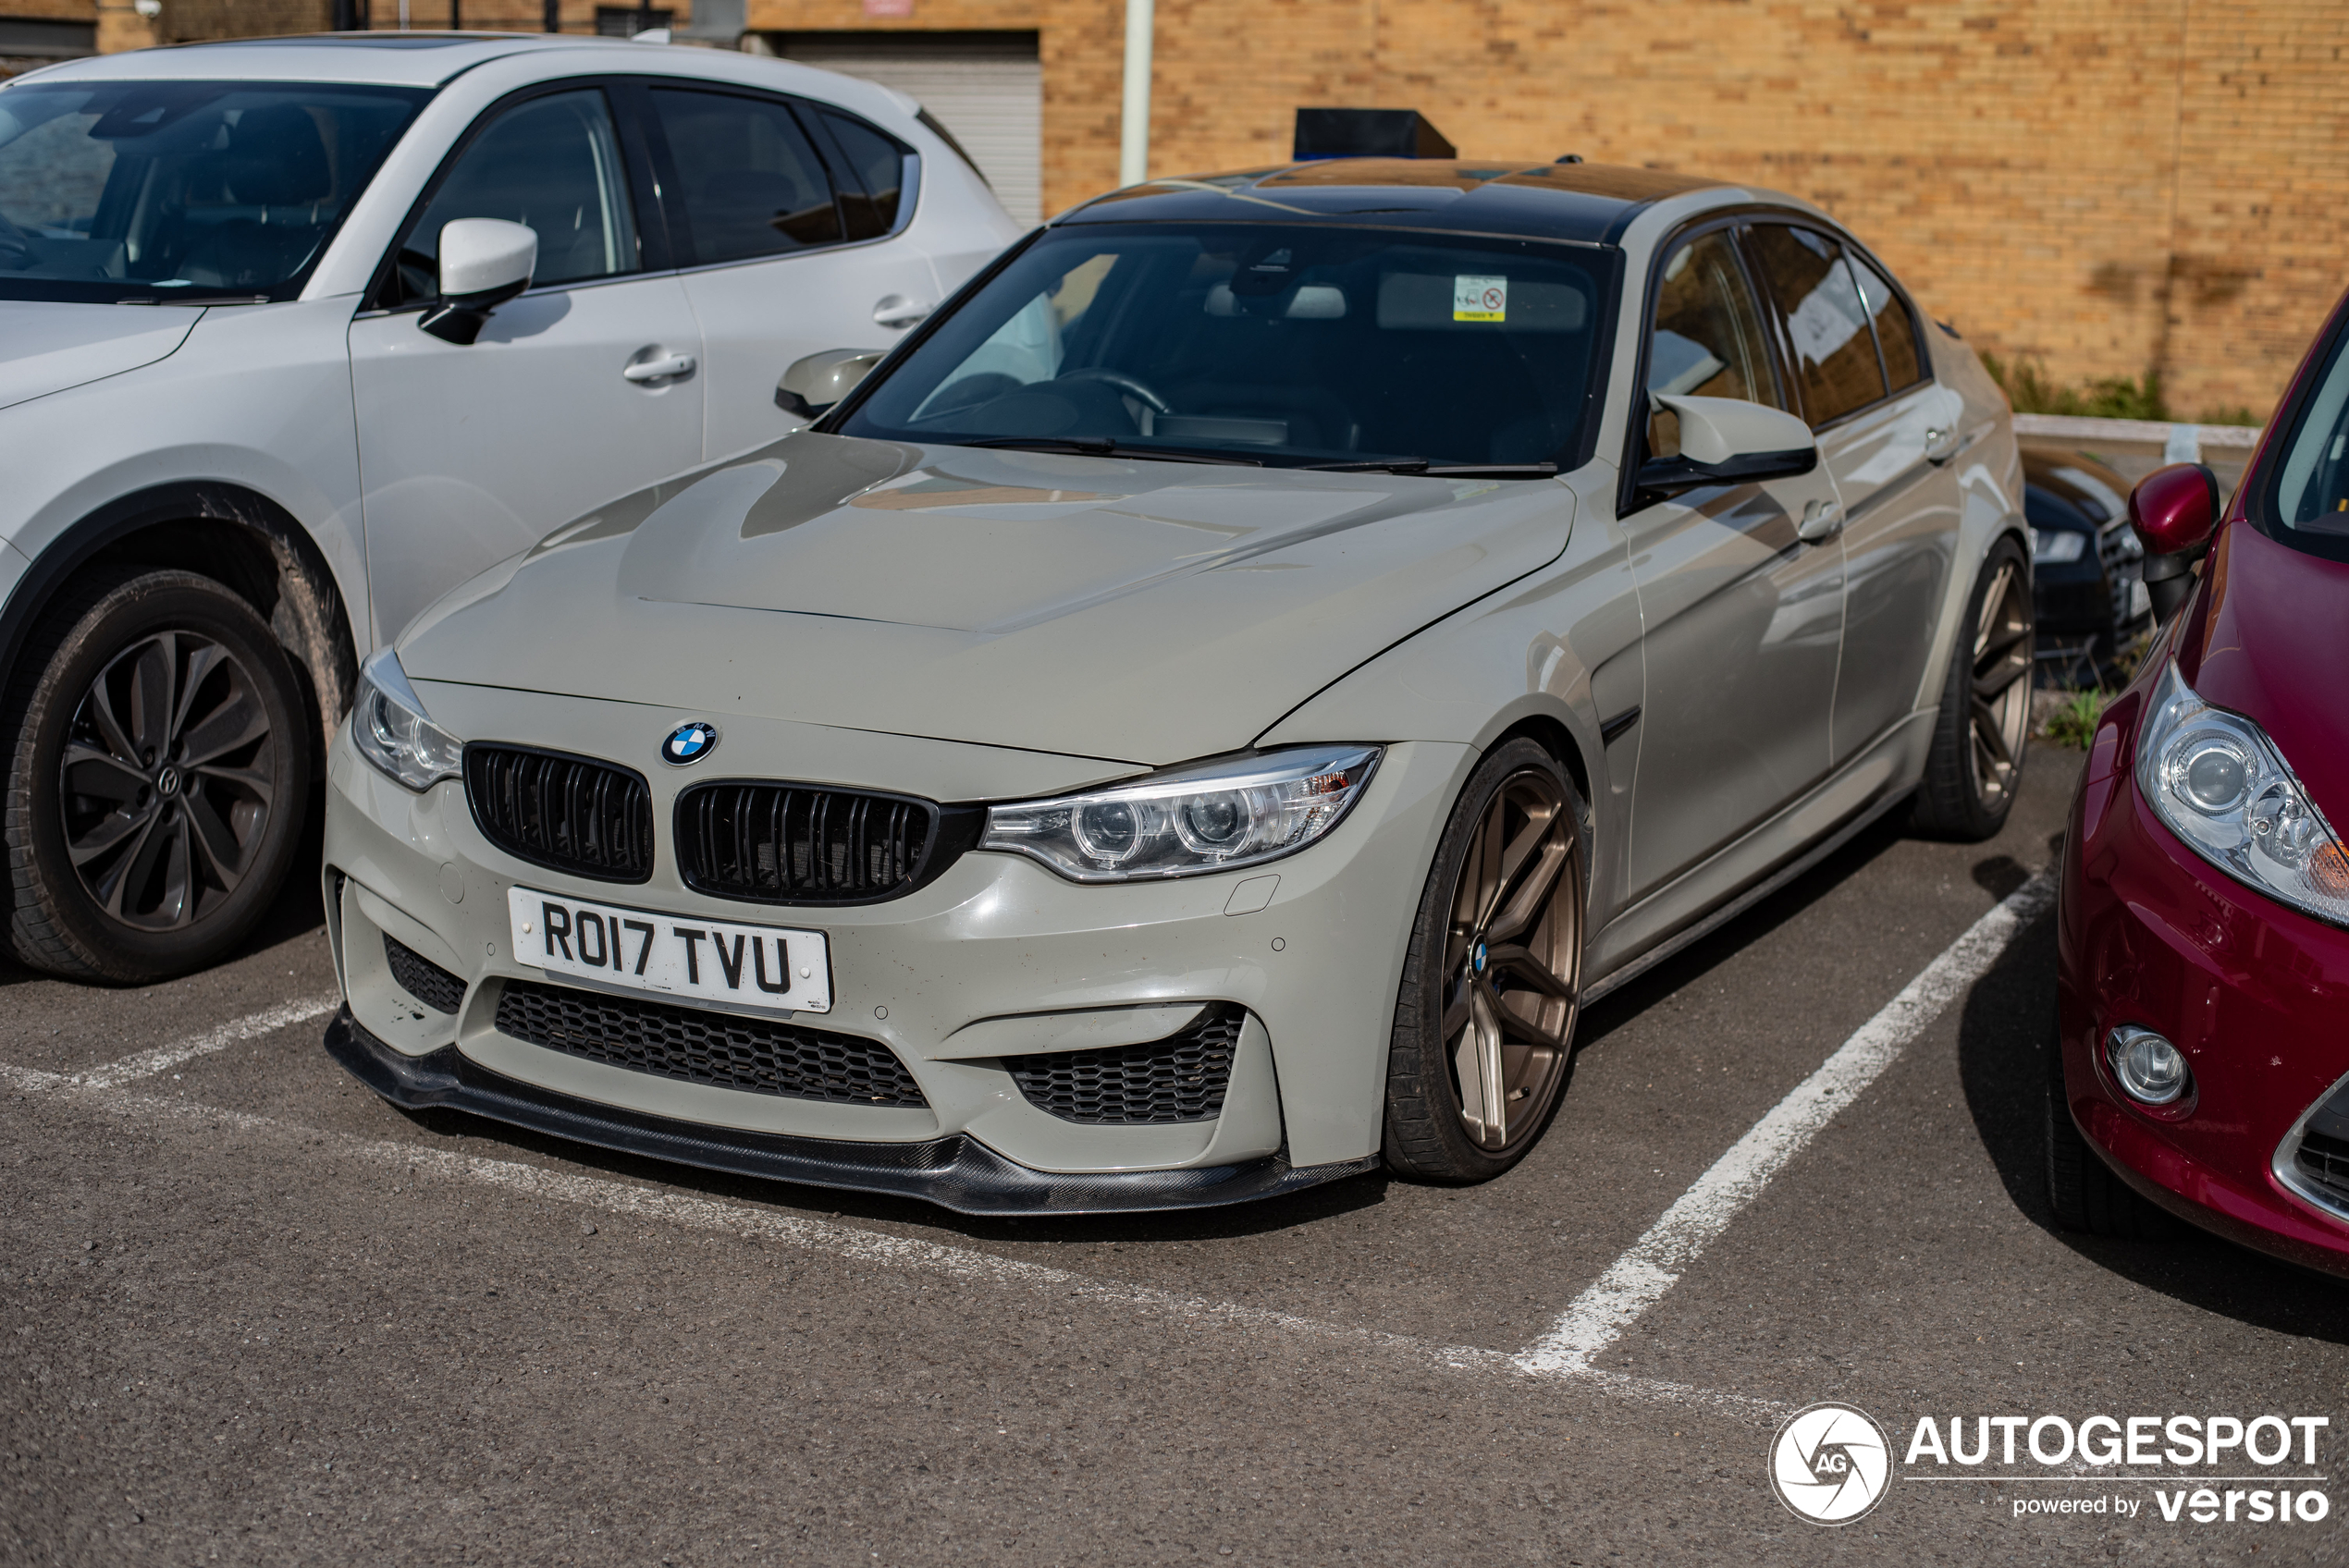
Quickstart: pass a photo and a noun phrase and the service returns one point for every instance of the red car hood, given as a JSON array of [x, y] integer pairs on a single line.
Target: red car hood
[[2270, 641]]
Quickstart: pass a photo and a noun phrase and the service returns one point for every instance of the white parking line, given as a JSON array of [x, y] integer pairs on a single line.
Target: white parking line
[[852, 1245], [164, 1058], [1638, 1280]]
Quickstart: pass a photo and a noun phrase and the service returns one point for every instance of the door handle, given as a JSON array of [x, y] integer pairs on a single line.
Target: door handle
[[1821, 520], [661, 367], [896, 310], [1940, 444]]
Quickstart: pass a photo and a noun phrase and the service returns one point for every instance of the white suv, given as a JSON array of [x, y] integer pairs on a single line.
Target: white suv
[[278, 367]]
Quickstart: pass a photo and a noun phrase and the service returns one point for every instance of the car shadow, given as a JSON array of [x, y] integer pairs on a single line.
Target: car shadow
[[2004, 1033]]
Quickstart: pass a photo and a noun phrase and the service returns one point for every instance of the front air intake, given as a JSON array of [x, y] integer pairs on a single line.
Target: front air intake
[[1182, 1078], [564, 812]]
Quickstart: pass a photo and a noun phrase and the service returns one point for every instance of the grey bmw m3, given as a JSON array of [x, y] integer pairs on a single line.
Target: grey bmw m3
[[1205, 714]]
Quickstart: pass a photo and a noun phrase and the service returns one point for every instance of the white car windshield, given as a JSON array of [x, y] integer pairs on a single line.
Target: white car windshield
[[162, 190], [1289, 345]]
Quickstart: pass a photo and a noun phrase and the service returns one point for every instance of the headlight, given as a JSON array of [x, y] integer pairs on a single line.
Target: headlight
[[389, 725], [2054, 547], [2220, 785], [1213, 817]]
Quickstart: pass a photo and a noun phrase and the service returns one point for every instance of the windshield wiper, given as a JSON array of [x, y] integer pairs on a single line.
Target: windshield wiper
[[1102, 446], [1441, 470]]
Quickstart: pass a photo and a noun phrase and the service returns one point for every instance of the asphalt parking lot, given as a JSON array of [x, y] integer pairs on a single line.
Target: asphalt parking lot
[[252, 1315]]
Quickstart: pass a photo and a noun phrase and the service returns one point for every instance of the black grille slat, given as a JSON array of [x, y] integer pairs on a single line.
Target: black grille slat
[[566, 812], [790, 843], [761, 1056], [1180, 1079], [2325, 1160], [421, 978]]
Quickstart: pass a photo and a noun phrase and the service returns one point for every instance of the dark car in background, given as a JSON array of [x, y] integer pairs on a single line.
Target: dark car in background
[[2084, 562]]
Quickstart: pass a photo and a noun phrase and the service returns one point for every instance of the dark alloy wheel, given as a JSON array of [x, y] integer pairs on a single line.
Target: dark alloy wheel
[[1979, 738], [1484, 1025], [159, 775]]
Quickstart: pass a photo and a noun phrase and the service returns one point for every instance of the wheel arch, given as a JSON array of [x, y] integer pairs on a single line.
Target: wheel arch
[[229, 533]]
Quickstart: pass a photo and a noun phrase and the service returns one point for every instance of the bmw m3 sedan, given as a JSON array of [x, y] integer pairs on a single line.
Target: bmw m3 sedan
[[1204, 714]]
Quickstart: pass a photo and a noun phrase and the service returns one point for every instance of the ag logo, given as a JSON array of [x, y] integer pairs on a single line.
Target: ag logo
[[1830, 1463], [689, 743]]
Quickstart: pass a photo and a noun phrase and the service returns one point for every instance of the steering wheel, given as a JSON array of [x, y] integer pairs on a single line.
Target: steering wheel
[[1123, 383]]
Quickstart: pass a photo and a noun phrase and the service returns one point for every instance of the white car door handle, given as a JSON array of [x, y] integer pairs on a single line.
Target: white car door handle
[[896, 310], [1940, 445], [1821, 519], [667, 367]]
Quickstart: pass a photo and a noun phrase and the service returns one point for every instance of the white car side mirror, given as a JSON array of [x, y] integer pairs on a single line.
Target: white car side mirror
[[816, 383], [1728, 440], [484, 263]]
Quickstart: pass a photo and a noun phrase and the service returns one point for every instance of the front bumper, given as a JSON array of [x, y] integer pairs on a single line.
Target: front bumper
[[995, 960], [957, 1172], [2253, 993]]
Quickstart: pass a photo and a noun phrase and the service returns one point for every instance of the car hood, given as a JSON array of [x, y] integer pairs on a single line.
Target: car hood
[[46, 347], [1140, 612], [2269, 642]]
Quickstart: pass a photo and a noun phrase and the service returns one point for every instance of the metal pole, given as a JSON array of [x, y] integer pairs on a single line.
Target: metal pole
[[1134, 129]]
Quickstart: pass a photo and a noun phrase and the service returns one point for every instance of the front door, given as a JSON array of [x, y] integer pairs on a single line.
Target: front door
[[1744, 619], [790, 251], [1884, 428], [586, 387]]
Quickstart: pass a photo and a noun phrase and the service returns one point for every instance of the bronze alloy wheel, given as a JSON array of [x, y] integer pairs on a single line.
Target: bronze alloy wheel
[[1485, 1031], [166, 781], [1974, 765], [2001, 694]]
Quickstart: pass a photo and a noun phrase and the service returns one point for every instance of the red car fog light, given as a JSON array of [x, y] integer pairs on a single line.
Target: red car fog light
[[2148, 1068]]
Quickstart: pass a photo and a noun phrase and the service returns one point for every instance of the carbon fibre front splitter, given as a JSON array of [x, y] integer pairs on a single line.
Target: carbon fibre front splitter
[[956, 1171]]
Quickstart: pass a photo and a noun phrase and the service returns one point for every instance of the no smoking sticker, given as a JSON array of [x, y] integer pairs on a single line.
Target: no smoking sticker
[[1480, 298]]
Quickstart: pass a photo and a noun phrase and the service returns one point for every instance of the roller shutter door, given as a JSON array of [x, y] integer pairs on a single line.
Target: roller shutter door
[[990, 92]]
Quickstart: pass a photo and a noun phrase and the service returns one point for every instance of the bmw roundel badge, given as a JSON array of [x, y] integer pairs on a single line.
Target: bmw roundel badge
[[689, 743]]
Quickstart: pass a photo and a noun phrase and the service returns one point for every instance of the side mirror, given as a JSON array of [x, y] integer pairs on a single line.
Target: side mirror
[[816, 383], [484, 263], [2173, 510], [1729, 441]]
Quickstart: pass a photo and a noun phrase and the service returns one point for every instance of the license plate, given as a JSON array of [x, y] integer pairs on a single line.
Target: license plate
[[770, 968]]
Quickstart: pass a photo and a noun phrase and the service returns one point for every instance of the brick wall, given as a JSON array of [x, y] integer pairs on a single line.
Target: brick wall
[[2108, 187]]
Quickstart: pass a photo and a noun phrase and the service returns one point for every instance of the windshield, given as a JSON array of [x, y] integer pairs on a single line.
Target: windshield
[[2304, 500], [1265, 343], [182, 190]]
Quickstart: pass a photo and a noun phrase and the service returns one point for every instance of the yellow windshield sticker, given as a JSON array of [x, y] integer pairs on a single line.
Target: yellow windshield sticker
[[1480, 298]]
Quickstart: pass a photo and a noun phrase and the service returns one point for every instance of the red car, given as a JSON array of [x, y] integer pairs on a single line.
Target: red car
[[2203, 1008]]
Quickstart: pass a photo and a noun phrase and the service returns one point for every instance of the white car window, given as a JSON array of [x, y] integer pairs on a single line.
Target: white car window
[[552, 164], [751, 183]]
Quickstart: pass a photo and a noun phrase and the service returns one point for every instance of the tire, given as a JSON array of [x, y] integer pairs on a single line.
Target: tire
[[1492, 979], [129, 862], [2085, 1193], [1975, 765]]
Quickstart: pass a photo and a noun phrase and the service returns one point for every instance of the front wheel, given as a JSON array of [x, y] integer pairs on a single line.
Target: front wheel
[[158, 772], [1975, 764], [1492, 982]]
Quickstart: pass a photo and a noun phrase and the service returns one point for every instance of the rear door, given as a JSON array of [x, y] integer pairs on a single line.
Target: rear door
[[789, 218], [1744, 620], [1886, 431], [468, 453]]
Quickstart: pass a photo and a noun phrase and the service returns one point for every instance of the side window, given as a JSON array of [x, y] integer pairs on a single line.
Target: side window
[[1896, 334], [1706, 340], [1827, 327], [552, 163], [750, 184], [880, 164]]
